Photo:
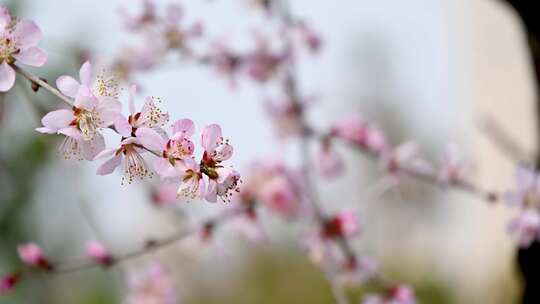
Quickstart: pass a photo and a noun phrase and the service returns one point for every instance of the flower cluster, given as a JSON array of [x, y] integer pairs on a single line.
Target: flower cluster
[[96, 107], [275, 186], [161, 34]]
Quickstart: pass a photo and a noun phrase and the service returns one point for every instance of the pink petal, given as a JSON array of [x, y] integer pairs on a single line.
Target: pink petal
[[5, 18], [58, 119], [211, 191], [91, 148], [46, 130], [67, 85], [164, 168], [150, 139], [33, 56], [105, 153], [7, 77], [109, 110], [122, 126], [27, 34], [185, 126], [85, 74], [72, 132], [209, 137], [85, 99], [174, 13], [109, 166]]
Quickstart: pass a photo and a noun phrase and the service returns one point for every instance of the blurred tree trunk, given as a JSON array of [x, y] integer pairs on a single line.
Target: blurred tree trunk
[[529, 259]]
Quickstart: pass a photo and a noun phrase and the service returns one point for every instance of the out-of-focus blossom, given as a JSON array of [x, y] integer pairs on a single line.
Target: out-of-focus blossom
[[140, 58], [275, 186], [401, 294], [359, 132], [405, 156], [99, 253], [176, 36], [225, 62], [527, 192], [322, 246], [343, 224], [328, 162], [9, 282], [454, 170], [308, 37], [285, 116], [154, 286], [18, 44], [32, 255], [526, 226], [146, 17], [280, 196], [164, 194], [263, 63]]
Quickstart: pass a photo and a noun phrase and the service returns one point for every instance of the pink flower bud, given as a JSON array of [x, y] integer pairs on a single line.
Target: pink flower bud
[[32, 255], [344, 224], [8, 282], [99, 253]]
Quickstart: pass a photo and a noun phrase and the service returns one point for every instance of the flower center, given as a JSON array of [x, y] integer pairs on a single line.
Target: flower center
[[87, 121], [8, 48]]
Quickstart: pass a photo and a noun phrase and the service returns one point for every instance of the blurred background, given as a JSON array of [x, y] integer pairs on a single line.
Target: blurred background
[[427, 70]]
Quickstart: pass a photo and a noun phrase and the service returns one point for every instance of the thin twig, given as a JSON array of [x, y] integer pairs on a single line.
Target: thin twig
[[149, 247], [42, 84]]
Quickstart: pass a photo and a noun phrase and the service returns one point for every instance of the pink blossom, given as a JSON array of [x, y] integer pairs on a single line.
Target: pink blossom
[[32, 255], [128, 153], [222, 181], [175, 35], [454, 169], [150, 116], [344, 224], [192, 185], [164, 194], [280, 196], [18, 43], [526, 226], [405, 156], [225, 61], [308, 37], [400, 294], [173, 151], [527, 192], [154, 286], [285, 117], [90, 114], [263, 63], [98, 253], [359, 132], [328, 163], [9, 282], [146, 17], [275, 186]]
